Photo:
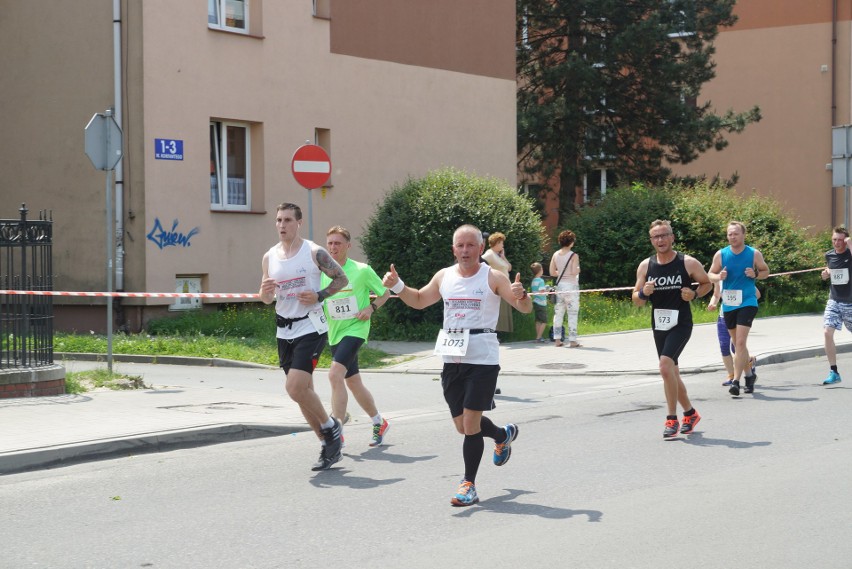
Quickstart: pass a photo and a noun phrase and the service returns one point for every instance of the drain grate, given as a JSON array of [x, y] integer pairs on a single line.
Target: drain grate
[[561, 365]]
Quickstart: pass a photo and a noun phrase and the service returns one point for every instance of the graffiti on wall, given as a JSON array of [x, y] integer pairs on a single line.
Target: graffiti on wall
[[173, 238]]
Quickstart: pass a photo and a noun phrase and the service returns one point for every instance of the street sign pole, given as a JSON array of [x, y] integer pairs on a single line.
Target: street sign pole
[[103, 145]]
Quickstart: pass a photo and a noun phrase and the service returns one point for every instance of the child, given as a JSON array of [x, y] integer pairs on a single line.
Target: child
[[539, 302]]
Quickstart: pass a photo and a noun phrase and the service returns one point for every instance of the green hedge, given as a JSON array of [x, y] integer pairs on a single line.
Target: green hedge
[[413, 228]]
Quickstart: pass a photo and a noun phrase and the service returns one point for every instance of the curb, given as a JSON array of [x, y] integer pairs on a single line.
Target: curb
[[66, 455]]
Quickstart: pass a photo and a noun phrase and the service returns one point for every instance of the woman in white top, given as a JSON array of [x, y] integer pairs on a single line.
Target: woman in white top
[[568, 286], [496, 259]]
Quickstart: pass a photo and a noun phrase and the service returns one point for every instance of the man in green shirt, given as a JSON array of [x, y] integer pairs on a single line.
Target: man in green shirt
[[349, 313]]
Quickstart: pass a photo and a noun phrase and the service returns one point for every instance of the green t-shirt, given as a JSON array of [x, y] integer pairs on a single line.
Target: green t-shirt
[[363, 280]]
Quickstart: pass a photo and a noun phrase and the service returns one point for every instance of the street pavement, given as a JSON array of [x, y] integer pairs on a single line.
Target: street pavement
[[190, 402]]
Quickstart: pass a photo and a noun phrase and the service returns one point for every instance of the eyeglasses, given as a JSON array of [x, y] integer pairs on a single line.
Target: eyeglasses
[[660, 236]]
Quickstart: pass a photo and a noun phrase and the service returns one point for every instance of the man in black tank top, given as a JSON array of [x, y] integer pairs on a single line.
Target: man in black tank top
[[838, 309], [665, 279]]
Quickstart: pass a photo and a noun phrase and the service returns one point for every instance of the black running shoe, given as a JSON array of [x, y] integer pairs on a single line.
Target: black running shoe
[[333, 440], [750, 380], [325, 460], [735, 389]]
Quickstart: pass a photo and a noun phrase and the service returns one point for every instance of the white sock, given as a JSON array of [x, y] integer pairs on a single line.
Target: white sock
[[328, 424], [377, 420]]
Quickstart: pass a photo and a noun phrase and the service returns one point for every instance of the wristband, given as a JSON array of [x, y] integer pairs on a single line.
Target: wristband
[[641, 294], [397, 288]]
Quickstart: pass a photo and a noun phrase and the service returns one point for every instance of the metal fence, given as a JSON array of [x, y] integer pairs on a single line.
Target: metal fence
[[26, 322]]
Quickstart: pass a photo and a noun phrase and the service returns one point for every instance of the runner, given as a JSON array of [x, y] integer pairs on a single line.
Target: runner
[[725, 338], [349, 313], [739, 266], [291, 279], [665, 279], [838, 309], [471, 292]]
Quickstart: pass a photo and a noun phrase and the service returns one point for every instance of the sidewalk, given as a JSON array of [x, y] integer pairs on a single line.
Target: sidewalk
[[193, 405]]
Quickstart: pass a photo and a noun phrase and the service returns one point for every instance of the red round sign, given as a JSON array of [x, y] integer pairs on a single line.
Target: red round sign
[[311, 166]]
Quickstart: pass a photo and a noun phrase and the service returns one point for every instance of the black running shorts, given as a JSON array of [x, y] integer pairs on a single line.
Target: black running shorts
[[469, 386], [670, 343], [740, 317], [301, 353], [345, 353]]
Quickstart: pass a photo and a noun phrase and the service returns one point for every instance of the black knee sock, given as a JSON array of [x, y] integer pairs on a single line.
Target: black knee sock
[[472, 450], [491, 430]]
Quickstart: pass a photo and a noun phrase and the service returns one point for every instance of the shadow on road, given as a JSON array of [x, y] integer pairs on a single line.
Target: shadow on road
[[506, 505]]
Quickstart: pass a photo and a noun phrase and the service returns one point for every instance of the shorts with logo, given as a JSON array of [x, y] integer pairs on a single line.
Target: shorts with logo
[[670, 343], [469, 386], [837, 314], [301, 353], [345, 353], [740, 317]]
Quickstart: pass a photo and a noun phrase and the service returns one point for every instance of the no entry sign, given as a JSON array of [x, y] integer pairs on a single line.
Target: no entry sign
[[311, 166]]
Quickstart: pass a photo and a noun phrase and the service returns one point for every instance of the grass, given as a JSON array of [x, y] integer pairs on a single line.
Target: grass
[[82, 381]]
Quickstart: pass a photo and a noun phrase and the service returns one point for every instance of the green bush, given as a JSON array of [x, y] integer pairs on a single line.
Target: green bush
[[413, 228], [612, 236]]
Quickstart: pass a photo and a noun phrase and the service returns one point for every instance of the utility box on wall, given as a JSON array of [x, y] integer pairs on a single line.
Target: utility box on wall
[[187, 284]]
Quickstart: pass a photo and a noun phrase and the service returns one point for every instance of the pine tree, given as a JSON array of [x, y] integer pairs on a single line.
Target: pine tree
[[614, 83]]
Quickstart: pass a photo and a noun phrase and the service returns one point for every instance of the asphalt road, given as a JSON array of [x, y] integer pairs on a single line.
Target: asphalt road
[[591, 483]]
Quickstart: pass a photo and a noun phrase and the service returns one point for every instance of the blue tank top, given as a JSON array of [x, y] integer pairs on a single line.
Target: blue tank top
[[736, 264]]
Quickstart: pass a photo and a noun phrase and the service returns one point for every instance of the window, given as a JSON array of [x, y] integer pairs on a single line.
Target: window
[[230, 165], [229, 15], [595, 184], [322, 9]]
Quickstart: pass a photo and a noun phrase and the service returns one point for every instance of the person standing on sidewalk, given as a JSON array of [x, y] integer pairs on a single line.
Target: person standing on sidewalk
[[471, 293], [665, 279], [565, 266], [495, 256], [349, 312], [838, 309], [738, 266], [291, 279], [539, 302]]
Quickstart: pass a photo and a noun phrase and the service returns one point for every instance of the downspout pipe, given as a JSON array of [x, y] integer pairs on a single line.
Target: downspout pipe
[[833, 94], [119, 168]]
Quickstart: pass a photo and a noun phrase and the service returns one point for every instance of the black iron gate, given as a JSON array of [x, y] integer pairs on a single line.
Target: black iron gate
[[26, 321]]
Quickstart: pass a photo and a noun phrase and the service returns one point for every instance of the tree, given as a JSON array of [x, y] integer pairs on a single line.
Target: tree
[[614, 83]]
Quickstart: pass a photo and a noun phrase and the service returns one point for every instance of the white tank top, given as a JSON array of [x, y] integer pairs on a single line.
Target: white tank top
[[293, 276], [470, 303]]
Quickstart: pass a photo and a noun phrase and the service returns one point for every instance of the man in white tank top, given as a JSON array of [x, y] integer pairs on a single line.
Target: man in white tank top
[[291, 279], [471, 292]]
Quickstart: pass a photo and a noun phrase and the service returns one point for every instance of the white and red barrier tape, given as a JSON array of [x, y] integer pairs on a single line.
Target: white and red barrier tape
[[255, 296]]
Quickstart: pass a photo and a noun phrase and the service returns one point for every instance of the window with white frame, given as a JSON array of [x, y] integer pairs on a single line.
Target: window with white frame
[[231, 15], [230, 164]]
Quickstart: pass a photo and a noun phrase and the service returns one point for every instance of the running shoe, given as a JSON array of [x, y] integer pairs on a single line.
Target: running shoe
[[502, 451], [735, 389], [833, 377], [750, 380], [752, 362], [689, 423], [346, 418], [671, 428], [466, 495], [379, 433], [333, 440], [326, 460], [729, 382]]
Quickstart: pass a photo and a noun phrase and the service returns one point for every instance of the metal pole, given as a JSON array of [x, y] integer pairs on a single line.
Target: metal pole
[[109, 244], [310, 215]]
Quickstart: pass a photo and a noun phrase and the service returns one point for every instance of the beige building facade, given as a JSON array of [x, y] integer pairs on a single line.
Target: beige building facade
[[794, 60], [213, 103]]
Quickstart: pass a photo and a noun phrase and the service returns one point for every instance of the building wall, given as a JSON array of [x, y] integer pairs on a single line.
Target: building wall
[[779, 57], [389, 118]]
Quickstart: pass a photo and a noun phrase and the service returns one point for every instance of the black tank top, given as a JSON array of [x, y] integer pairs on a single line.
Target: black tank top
[[840, 292], [669, 279]]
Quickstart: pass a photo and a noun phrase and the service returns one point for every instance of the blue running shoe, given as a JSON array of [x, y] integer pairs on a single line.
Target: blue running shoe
[[502, 451], [833, 377], [466, 495]]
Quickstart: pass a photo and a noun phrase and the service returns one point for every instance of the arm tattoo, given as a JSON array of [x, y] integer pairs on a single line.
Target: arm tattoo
[[333, 271]]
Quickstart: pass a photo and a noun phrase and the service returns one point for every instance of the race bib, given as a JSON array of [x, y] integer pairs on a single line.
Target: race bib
[[839, 276], [665, 319], [317, 317], [342, 308], [452, 343], [732, 297]]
